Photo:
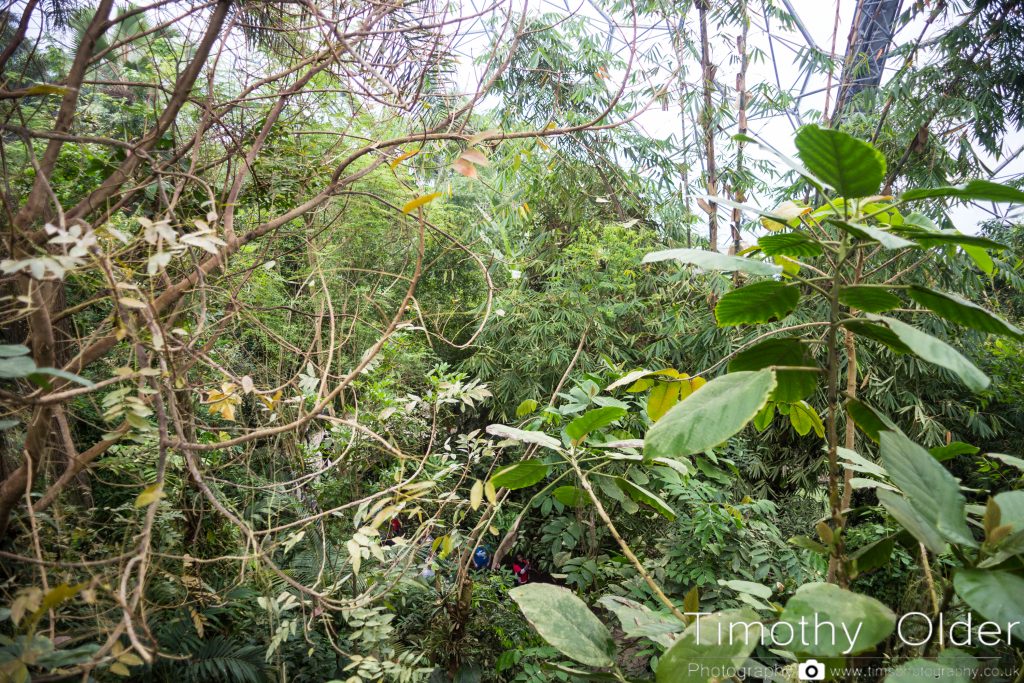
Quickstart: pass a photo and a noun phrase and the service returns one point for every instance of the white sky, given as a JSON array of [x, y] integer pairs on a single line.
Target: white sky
[[818, 16]]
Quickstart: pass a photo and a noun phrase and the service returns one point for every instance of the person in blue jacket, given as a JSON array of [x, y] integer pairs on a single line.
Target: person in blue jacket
[[481, 558]]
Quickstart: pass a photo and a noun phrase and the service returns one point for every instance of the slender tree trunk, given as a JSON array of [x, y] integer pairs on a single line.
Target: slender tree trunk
[[707, 123], [741, 125]]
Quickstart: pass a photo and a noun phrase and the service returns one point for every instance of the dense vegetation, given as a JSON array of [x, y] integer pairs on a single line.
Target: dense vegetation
[[319, 364]]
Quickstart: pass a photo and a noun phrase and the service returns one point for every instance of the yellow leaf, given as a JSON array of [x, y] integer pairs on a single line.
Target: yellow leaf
[[687, 388], [270, 403], [403, 157], [789, 210], [383, 515], [14, 671], [131, 659], [493, 530], [420, 201], [59, 594], [789, 266], [27, 601], [223, 402], [46, 89], [197, 622], [492, 495], [476, 495], [149, 495], [663, 396], [120, 669], [355, 554]]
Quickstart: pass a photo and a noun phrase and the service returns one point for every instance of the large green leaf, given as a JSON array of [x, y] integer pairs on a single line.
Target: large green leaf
[[63, 374], [16, 367], [566, 623], [928, 238], [717, 642], [978, 190], [872, 234], [571, 496], [907, 517], [994, 594], [951, 450], [870, 298], [712, 260], [520, 475], [936, 351], [878, 333], [860, 622], [591, 420], [711, 415], [789, 244], [932, 491], [1011, 511], [958, 310], [642, 495], [853, 167], [791, 385], [761, 302]]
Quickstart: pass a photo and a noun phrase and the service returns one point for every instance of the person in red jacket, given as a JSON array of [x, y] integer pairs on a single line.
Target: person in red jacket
[[521, 568]]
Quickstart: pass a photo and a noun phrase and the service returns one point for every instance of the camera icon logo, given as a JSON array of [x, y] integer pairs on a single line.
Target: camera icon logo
[[811, 670]]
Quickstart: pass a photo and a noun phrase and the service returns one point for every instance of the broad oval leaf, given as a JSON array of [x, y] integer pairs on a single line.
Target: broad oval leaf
[[936, 351], [961, 311], [571, 496], [870, 298], [591, 420], [520, 475], [717, 642], [911, 520], [853, 167], [789, 244], [642, 495], [861, 622], [994, 594], [932, 491], [16, 367], [873, 234], [8, 350], [791, 385], [870, 421], [761, 302], [758, 590], [708, 417], [712, 260], [565, 622], [878, 333]]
